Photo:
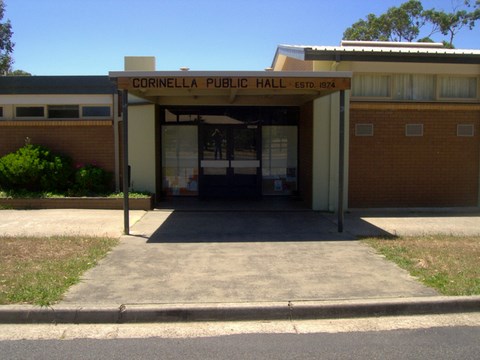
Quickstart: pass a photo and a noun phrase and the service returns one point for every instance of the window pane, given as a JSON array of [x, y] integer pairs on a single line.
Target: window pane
[[279, 160], [371, 85], [180, 160], [458, 87], [30, 111], [63, 111], [414, 87], [95, 111]]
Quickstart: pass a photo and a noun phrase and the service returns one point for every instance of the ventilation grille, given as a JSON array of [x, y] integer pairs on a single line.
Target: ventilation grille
[[414, 130], [465, 130], [364, 130]]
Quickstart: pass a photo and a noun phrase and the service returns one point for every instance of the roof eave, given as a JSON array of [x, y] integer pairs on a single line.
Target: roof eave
[[319, 55]]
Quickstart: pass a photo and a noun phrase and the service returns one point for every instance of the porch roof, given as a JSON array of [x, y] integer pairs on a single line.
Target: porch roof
[[230, 87]]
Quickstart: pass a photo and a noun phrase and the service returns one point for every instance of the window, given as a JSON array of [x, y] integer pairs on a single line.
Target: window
[[1, 112], [363, 129], [96, 111], [180, 160], [414, 130], [365, 85], [458, 87], [414, 87], [279, 160], [465, 130], [30, 111], [63, 111]]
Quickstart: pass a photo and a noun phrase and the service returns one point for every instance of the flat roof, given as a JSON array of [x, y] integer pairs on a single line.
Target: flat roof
[[24, 85]]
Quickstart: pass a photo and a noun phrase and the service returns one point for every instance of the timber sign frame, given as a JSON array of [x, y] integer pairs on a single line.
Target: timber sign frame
[[229, 87]]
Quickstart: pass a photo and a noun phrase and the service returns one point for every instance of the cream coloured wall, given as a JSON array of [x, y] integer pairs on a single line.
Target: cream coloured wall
[[141, 147], [397, 68], [139, 63], [326, 118]]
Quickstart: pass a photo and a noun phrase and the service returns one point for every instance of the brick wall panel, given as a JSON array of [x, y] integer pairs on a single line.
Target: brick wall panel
[[392, 170]]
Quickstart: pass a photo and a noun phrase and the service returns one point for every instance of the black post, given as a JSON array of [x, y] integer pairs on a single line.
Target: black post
[[126, 220], [341, 161]]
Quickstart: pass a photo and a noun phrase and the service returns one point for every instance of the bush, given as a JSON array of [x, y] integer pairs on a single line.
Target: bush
[[35, 168], [92, 179]]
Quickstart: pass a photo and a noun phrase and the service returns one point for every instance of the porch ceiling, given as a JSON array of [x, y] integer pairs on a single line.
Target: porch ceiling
[[231, 88]]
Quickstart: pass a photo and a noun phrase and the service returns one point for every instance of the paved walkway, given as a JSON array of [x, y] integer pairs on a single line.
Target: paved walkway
[[239, 256], [224, 257]]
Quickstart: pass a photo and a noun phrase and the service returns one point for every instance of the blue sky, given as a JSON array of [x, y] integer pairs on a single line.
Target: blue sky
[[91, 37]]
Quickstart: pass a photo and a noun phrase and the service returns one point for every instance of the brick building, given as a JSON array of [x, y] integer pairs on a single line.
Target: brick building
[[411, 115]]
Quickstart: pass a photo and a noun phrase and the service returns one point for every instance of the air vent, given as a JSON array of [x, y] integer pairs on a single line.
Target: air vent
[[465, 130], [364, 130], [414, 130]]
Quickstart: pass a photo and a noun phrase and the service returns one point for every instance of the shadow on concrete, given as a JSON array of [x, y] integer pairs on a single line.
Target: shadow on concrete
[[257, 226]]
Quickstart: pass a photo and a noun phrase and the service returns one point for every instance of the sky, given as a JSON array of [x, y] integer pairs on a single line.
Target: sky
[[91, 37]]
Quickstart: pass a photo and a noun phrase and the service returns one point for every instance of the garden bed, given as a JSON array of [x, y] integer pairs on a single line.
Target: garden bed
[[77, 203]]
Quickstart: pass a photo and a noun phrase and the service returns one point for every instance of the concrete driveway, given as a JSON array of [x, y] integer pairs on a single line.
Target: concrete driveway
[[239, 256], [219, 257]]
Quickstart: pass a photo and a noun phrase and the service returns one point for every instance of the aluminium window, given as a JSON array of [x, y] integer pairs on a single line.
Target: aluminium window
[[30, 111], [371, 86], [63, 112], [96, 111], [419, 87], [458, 87]]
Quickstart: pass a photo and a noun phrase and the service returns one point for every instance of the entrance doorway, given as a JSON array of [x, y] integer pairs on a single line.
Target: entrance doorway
[[229, 161]]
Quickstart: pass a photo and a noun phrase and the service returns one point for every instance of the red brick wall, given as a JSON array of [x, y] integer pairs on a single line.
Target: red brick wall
[[85, 142], [390, 169]]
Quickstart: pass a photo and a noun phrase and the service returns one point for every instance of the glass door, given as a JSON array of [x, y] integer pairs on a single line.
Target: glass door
[[229, 158]]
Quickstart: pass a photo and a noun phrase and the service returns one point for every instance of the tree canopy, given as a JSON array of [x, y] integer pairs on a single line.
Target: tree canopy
[[405, 23], [6, 44]]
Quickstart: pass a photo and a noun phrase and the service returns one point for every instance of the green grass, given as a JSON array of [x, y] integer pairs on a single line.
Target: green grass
[[449, 264], [40, 270]]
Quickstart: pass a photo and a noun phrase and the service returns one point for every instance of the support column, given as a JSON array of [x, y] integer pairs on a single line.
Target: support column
[[126, 219], [341, 161]]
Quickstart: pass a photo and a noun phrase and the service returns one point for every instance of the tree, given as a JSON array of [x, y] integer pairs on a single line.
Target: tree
[[6, 44], [449, 24], [404, 23]]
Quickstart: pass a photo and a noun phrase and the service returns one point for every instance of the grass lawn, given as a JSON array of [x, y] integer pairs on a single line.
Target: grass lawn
[[450, 264], [39, 270]]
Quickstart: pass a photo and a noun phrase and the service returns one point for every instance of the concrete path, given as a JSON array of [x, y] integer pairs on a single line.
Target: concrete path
[[240, 256], [64, 222], [222, 257]]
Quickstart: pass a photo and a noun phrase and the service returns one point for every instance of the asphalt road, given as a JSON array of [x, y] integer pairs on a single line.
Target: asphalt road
[[431, 343]]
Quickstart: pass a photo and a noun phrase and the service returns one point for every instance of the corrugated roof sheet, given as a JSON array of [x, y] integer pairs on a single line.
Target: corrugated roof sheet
[[382, 51]]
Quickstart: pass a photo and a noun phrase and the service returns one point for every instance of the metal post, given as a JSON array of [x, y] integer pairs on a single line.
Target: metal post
[[126, 220], [341, 161]]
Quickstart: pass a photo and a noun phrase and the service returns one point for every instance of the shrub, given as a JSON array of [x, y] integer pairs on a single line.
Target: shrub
[[92, 179], [35, 168]]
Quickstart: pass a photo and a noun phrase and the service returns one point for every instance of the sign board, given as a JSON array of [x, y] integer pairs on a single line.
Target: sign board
[[248, 83]]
